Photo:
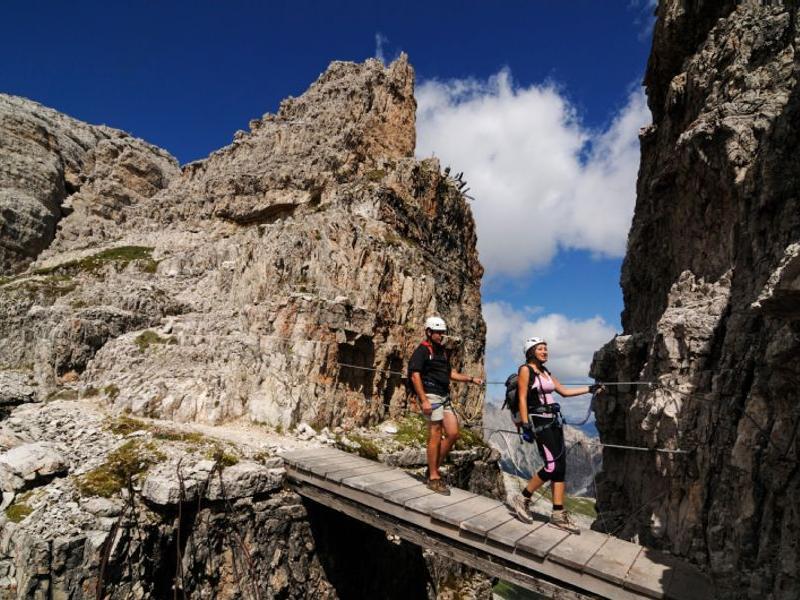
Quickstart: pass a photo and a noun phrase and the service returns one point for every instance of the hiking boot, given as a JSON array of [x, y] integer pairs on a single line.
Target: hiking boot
[[563, 520], [438, 486], [522, 506]]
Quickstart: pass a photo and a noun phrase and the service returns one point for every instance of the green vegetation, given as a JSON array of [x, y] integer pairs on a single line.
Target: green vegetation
[[20, 508], [262, 457], [62, 395], [469, 439], [393, 239], [375, 175], [91, 264], [90, 392], [366, 447], [49, 287], [124, 463], [221, 456], [125, 425], [18, 511], [509, 591], [147, 338], [112, 391], [412, 431]]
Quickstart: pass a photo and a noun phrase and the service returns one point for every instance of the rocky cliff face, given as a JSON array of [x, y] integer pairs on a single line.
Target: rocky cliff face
[[263, 282], [51, 165], [282, 281], [712, 302]]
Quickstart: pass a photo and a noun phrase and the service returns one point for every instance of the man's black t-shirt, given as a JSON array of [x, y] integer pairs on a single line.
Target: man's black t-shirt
[[433, 364]]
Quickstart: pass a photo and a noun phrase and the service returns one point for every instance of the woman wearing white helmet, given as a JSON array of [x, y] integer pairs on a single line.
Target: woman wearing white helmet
[[430, 373], [540, 420]]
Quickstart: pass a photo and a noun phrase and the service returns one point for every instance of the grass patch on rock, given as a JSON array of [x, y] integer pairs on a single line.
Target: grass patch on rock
[[171, 435], [125, 425], [20, 508], [67, 394], [360, 445], [40, 289], [126, 462], [92, 264], [220, 455], [412, 431], [376, 175], [469, 439], [18, 511], [149, 338]]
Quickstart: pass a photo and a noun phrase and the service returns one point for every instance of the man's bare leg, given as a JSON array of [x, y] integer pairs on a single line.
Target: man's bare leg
[[450, 423], [434, 443]]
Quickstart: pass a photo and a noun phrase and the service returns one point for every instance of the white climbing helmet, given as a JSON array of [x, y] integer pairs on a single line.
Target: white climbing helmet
[[530, 343], [435, 324]]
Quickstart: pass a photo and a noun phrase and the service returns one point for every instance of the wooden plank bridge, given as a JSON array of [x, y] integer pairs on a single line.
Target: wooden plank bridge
[[482, 533]]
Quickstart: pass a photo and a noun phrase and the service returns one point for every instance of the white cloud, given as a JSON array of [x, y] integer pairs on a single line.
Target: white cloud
[[572, 343], [541, 180], [380, 40]]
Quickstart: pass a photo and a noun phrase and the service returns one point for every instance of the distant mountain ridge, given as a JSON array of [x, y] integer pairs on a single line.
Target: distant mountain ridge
[[584, 458]]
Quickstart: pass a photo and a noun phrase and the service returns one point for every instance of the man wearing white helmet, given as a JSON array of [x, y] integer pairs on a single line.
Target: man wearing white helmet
[[540, 418], [430, 373]]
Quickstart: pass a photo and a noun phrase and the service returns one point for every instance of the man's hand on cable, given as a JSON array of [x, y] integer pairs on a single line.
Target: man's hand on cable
[[476, 380], [527, 433], [596, 388]]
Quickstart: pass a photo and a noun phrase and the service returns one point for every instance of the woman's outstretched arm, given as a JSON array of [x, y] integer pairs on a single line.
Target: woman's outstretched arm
[[568, 393]]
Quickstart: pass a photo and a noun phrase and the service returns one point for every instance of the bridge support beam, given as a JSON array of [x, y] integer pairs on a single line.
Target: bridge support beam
[[491, 565]]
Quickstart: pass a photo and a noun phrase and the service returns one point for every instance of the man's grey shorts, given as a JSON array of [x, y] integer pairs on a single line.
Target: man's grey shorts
[[438, 411]]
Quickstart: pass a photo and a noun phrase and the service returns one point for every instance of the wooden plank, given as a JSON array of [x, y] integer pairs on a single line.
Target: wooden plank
[[350, 471], [479, 547], [650, 574], [362, 482], [613, 561], [540, 542], [689, 583], [329, 458], [483, 524], [503, 569], [294, 456], [455, 515], [508, 533], [382, 489], [325, 467], [425, 504], [402, 495], [576, 550]]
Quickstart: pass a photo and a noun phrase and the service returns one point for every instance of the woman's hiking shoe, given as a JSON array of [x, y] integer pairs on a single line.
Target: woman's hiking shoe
[[438, 486], [563, 520], [522, 506]]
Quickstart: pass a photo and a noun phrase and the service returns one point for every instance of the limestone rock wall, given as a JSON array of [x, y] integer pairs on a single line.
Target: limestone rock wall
[[283, 279], [47, 157], [712, 302]]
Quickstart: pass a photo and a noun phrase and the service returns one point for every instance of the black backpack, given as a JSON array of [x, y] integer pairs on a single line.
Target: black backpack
[[512, 383]]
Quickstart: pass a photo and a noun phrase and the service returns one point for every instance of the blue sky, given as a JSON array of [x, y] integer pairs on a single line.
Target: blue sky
[[549, 92]]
